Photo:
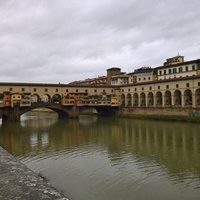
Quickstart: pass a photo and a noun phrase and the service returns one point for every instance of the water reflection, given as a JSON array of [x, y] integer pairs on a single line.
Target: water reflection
[[136, 151]]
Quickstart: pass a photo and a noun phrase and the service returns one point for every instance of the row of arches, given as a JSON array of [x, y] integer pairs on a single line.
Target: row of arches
[[159, 99], [46, 98]]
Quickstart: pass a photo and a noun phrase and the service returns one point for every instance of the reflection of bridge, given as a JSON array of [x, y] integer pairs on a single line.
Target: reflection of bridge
[[64, 112]]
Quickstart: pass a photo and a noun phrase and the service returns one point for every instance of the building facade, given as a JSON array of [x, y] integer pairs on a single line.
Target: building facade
[[151, 88]]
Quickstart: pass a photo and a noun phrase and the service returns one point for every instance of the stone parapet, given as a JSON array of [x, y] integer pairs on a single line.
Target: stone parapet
[[19, 182]]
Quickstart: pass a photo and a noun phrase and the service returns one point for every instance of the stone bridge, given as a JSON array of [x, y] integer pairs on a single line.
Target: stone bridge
[[64, 112]]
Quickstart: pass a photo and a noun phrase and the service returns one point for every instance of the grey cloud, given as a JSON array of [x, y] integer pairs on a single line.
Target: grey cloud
[[62, 41]]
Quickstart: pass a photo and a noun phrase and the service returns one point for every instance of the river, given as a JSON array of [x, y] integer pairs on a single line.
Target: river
[[96, 158]]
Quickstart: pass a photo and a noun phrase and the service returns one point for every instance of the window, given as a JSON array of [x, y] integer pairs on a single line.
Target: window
[[174, 70], [180, 69], [46, 90], [135, 89], [160, 72], [149, 78], [144, 78], [95, 90], [165, 71], [158, 87], [193, 67], [187, 85], [122, 90], [76, 90], [177, 85], [35, 90], [86, 90], [170, 71], [186, 68], [167, 86], [142, 88], [129, 89], [150, 88], [10, 89], [23, 89], [56, 90], [66, 90], [198, 83], [112, 91], [139, 79]]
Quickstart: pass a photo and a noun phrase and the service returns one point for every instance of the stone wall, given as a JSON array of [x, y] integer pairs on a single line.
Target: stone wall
[[160, 111]]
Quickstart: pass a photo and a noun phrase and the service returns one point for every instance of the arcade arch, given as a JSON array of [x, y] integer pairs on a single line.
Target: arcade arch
[[168, 98], [187, 98], [123, 99], [56, 99], [177, 98], [46, 98], [129, 101], [135, 99], [142, 99], [158, 99], [150, 99], [35, 98], [197, 97]]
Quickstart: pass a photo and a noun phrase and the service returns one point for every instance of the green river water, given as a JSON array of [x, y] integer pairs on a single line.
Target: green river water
[[95, 158]]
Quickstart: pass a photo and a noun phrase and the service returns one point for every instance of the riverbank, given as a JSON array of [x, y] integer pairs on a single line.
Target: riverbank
[[181, 118], [19, 182], [164, 114]]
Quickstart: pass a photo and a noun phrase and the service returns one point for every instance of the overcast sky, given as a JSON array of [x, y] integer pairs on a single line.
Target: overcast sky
[[51, 41]]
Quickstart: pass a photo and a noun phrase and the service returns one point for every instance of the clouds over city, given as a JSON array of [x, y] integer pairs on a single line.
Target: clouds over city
[[61, 41]]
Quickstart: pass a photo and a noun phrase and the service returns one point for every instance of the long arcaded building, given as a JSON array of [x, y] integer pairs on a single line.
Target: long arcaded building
[[175, 84]]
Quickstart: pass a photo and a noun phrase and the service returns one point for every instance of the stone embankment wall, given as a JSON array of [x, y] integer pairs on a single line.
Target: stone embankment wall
[[19, 182], [159, 111]]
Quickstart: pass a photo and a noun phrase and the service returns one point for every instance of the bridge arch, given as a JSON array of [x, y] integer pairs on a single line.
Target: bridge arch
[[63, 113]]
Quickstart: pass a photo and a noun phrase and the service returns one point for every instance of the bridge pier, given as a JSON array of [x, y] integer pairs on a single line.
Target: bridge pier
[[62, 115], [73, 111], [11, 114]]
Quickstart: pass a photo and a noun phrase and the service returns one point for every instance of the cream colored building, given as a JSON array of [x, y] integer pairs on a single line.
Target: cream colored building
[[121, 79], [178, 69], [143, 74], [180, 92], [183, 90]]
